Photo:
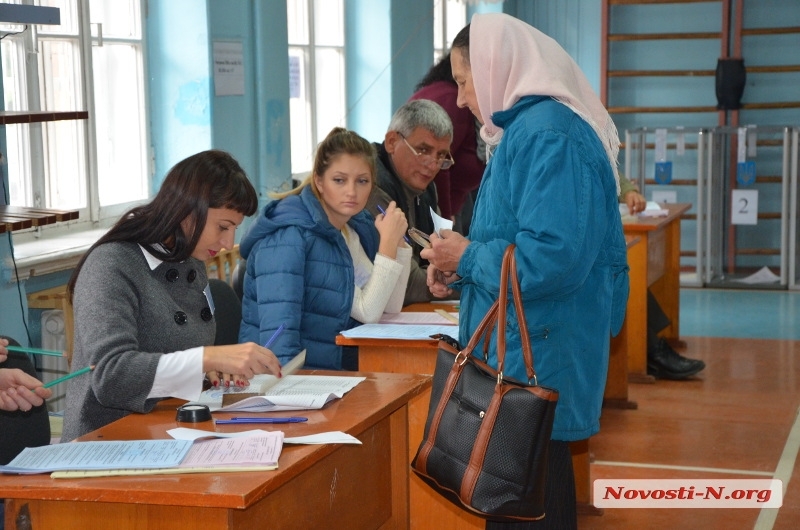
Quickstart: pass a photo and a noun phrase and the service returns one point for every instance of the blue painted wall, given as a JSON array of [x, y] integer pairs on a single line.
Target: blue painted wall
[[381, 73], [179, 82]]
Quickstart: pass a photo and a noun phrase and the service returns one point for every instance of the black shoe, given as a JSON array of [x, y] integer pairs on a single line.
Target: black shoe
[[665, 363]]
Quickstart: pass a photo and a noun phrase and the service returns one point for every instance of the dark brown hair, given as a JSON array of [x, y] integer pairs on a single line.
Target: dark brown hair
[[461, 42], [441, 71], [210, 179]]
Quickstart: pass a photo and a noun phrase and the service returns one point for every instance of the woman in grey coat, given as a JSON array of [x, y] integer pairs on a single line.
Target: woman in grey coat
[[144, 317]]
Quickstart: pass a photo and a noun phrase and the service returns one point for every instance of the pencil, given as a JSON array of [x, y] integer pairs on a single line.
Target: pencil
[[447, 315], [35, 351], [69, 376]]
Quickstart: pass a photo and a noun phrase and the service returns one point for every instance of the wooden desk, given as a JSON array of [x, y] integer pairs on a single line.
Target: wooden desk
[[316, 486], [428, 509], [661, 237]]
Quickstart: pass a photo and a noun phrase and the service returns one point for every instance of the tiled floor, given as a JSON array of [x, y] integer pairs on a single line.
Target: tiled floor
[[737, 419]]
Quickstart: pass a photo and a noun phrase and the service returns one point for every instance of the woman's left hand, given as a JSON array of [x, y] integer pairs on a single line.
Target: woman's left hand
[[446, 250]]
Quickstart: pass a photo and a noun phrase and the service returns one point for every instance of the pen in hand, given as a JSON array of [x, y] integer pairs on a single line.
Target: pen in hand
[[274, 336], [384, 214]]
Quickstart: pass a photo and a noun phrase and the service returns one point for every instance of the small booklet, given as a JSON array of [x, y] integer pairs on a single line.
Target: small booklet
[[268, 393]]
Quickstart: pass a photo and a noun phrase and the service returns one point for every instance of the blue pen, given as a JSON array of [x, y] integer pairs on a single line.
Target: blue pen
[[384, 213], [293, 419], [274, 336]]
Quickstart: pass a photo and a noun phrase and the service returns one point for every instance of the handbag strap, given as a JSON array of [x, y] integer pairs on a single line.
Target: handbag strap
[[498, 313], [509, 269]]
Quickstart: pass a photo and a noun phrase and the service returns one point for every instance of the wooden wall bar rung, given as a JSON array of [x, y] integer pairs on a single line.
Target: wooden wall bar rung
[[776, 105], [661, 73], [633, 2], [666, 110], [783, 68], [771, 31], [9, 117], [758, 251], [661, 36]]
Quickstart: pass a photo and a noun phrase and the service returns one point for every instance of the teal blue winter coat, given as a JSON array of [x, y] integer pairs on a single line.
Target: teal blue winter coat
[[549, 188]]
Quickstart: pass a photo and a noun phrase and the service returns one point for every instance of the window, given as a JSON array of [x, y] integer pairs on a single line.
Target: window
[[317, 86], [99, 165], [449, 17]]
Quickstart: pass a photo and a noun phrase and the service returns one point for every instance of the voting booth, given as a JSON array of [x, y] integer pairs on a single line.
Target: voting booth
[[671, 165], [743, 227]]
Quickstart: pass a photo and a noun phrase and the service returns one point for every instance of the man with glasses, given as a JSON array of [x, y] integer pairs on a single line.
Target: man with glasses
[[415, 148]]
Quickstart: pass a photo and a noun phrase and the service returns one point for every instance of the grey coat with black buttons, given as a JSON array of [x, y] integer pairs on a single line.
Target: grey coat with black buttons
[[126, 317]]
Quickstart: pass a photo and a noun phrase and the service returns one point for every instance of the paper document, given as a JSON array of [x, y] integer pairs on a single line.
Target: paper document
[[421, 317], [291, 392], [261, 383], [653, 209], [99, 455], [253, 453], [440, 223], [400, 331], [331, 437], [263, 449], [763, 275]]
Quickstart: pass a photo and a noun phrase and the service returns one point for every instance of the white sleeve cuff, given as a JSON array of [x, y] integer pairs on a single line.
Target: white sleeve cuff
[[179, 375]]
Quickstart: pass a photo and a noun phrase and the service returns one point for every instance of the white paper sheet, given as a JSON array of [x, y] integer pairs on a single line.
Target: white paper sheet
[[400, 331]]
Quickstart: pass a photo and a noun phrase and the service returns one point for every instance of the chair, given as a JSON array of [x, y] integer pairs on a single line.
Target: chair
[[227, 312], [18, 429]]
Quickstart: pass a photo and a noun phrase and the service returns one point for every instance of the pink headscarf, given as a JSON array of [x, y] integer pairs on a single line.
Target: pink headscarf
[[510, 59]]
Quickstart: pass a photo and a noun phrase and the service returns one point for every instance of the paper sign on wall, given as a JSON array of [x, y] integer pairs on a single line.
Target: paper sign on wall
[[744, 207], [228, 68]]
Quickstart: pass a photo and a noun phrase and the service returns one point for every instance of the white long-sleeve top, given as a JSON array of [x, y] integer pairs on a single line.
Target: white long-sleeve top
[[379, 287]]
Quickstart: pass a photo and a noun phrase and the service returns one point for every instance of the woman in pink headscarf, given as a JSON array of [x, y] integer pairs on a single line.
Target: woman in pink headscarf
[[551, 188]]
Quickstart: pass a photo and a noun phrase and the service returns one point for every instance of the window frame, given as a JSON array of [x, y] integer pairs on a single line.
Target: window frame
[[309, 83], [92, 214]]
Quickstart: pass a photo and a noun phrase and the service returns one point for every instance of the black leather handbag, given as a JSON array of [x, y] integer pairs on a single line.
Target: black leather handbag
[[486, 436]]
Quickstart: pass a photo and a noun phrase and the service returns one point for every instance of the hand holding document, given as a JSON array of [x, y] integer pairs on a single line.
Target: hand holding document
[[291, 392], [652, 209], [268, 393]]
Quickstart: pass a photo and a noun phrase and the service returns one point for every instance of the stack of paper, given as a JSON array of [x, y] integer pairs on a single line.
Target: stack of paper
[[290, 392], [143, 457]]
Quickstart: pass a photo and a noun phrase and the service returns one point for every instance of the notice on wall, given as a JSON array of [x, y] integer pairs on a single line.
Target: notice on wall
[[744, 207], [228, 68]]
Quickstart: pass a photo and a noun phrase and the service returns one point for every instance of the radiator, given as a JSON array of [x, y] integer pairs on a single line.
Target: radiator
[[54, 338]]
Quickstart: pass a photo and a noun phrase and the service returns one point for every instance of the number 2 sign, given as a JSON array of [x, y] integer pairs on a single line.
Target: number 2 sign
[[744, 207]]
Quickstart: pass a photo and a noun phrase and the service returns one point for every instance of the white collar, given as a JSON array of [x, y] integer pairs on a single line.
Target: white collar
[[152, 261]]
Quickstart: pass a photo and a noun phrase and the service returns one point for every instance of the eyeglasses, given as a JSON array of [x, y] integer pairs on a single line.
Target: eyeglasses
[[444, 162]]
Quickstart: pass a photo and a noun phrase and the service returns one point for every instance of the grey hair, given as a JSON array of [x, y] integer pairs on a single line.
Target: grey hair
[[422, 113]]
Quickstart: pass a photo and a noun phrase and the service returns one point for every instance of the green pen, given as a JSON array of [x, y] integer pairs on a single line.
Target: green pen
[[69, 376], [35, 351]]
